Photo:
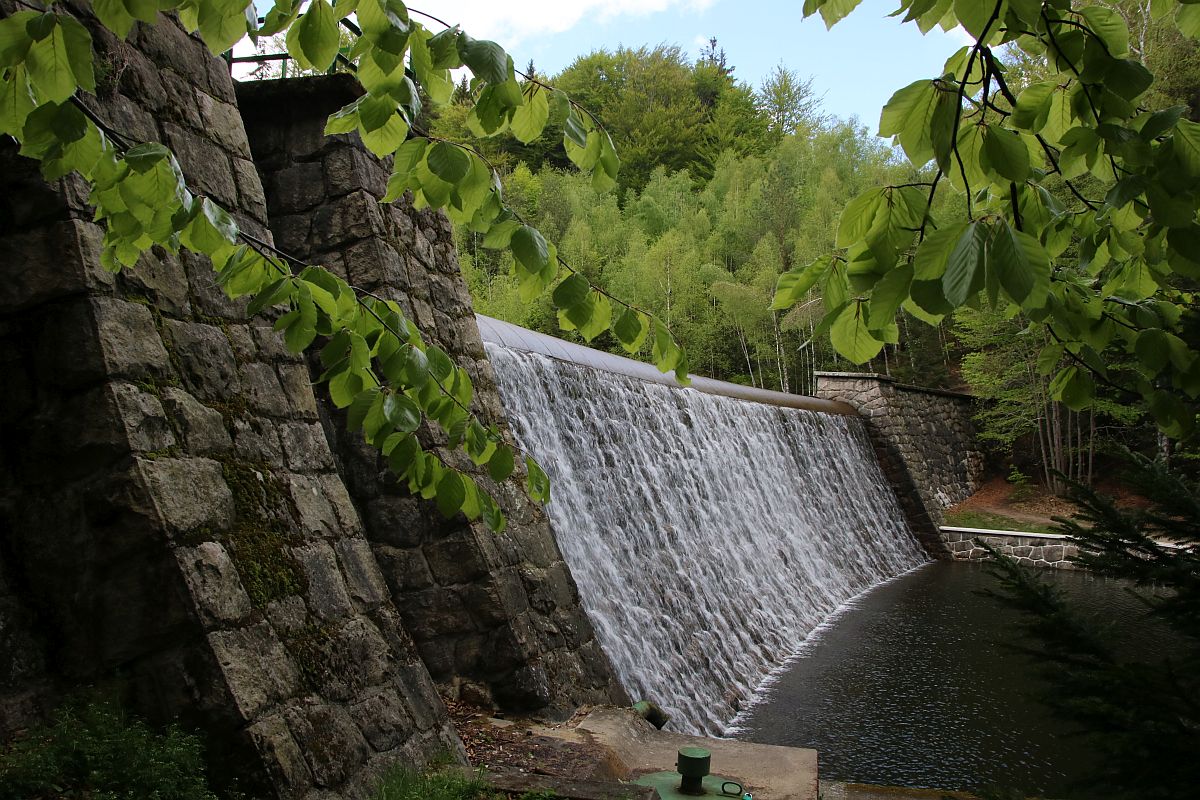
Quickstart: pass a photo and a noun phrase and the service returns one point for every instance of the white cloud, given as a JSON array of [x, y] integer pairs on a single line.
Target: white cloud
[[515, 21]]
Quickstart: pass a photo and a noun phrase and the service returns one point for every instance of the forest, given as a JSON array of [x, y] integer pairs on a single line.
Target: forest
[[725, 186]]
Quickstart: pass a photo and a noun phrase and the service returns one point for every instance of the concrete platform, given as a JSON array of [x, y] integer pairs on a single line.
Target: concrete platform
[[768, 771]]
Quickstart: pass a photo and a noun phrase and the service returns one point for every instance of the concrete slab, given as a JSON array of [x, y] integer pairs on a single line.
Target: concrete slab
[[768, 771]]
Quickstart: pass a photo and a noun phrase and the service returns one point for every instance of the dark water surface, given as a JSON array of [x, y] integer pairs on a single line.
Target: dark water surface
[[913, 687]]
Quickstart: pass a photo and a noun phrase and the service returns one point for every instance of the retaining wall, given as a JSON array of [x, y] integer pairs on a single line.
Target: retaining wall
[[1051, 550]]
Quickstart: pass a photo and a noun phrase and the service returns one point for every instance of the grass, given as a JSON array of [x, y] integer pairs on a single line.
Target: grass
[[447, 783], [984, 519]]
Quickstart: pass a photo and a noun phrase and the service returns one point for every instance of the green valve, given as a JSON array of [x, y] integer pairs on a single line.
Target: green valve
[[693, 763], [693, 779]]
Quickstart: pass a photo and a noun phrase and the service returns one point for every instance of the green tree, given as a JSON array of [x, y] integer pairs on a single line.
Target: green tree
[[789, 102], [1127, 287]]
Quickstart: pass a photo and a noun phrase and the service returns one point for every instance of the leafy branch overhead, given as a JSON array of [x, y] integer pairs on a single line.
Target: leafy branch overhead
[[376, 364], [1080, 204]]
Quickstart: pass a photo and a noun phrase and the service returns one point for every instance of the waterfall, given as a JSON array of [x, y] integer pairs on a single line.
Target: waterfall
[[708, 535]]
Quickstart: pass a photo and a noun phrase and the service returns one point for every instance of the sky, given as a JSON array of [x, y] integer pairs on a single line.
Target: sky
[[856, 66]]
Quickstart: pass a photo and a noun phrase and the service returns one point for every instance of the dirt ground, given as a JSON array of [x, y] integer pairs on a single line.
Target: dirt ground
[[511, 746], [1032, 503]]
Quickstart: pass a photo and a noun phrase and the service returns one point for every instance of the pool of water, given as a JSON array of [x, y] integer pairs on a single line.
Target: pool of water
[[914, 686]]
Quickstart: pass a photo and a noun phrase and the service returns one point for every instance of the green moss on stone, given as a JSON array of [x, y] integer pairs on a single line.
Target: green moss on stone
[[260, 537]]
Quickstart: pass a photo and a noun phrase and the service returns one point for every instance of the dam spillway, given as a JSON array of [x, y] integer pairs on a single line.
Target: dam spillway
[[708, 534]]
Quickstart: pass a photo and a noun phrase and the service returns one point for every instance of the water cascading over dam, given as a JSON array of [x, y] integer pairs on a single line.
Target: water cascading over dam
[[708, 534]]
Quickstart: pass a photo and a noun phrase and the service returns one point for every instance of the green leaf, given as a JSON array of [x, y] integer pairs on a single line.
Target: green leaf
[[572, 291], [536, 481], [933, 253], [1151, 350], [1109, 26], [1074, 387], [491, 513], [1033, 106], [859, 216], [451, 492], [964, 267], [487, 60], [300, 334], [850, 334], [313, 39], [631, 330], [529, 120], [1005, 153], [907, 117], [1186, 143], [385, 140], [1021, 264], [448, 162], [888, 295], [16, 102], [794, 285], [501, 464], [530, 249], [14, 38], [222, 23], [401, 412], [49, 66]]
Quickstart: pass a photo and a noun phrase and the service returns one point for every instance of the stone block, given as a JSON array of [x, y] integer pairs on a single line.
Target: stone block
[[383, 719], [257, 440], [355, 216], [205, 359], [257, 669], [331, 742], [296, 383], [181, 105], [214, 584], [270, 344], [343, 507], [349, 169], [141, 416], [372, 263], [363, 577], [274, 743], [289, 615], [305, 446], [260, 386], [433, 613], [250, 189], [327, 595], [420, 697], [454, 560], [404, 570], [207, 297], [206, 166], [242, 342], [207, 502], [316, 514], [399, 521], [296, 189], [223, 122], [49, 262]]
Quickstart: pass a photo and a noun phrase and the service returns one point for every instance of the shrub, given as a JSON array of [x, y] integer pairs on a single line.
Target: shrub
[[93, 750]]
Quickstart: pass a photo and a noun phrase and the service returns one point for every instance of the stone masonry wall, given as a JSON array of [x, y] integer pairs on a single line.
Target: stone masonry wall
[[1047, 550], [494, 616], [924, 440], [171, 518]]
